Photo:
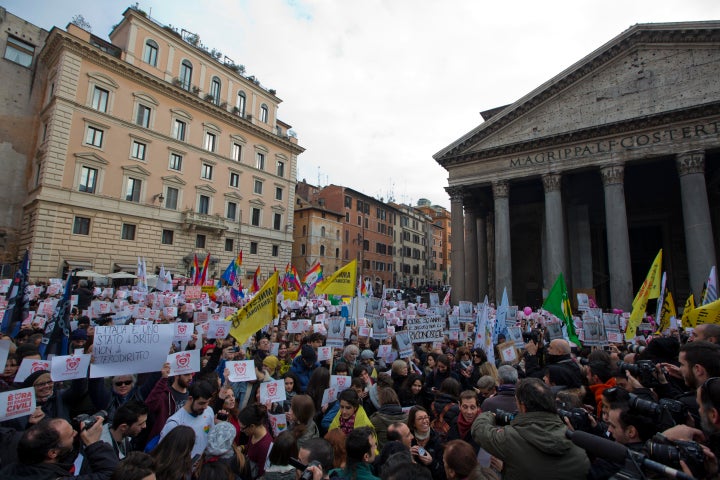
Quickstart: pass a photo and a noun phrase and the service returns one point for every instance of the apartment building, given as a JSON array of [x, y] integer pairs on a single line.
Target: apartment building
[[441, 235], [318, 235], [149, 145]]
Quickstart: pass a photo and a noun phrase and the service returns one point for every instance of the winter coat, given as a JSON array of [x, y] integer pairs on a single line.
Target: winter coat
[[161, 404], [100, 456], [532, 446], [383, 418], [503, 400], [299, 368], [442, 400]]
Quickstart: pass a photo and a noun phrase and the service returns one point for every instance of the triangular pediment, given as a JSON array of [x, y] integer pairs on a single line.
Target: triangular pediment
[[648, 70], [174, 179], [135, 170], [88, 157], [205, 188]]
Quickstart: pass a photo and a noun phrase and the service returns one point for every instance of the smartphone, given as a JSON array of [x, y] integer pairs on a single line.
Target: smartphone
[[222, 417], [294, 462], [421, 451]]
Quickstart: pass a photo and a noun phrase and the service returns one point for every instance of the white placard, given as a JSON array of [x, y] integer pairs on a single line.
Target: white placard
[[182, 363], [218, 329], [329, 395], [298, 326], [341, 382], [272, 391], [183, 332], [127, 349], [4, 351], [17, 403], [405, 346], [242, 371], [274, 349], [29, 366], [324, 353], [384, 351], [426, 329], [69, 367], [278, 423]]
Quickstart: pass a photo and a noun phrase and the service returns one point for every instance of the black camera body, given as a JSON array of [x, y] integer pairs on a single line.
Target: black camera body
[[306, 474], [667, 413], [578, 417], [503, 418], [85, 421], [669, 452], [643, 370]]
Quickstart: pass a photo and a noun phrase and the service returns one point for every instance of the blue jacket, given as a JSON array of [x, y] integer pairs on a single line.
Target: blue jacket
[[299, 368]]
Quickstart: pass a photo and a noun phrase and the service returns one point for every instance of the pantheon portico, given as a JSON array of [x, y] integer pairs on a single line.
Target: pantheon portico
[[593, 172]]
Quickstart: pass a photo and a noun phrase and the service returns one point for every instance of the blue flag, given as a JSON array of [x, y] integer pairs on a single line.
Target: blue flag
[[17, 304], [56, 338]]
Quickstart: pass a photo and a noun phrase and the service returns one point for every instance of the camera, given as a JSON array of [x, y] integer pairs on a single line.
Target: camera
[[534, 335], [222, 416], [643, 370], [667, 413], [636, 348], [669, 452], [306, 474], [85, 421], [578, 417], [503, 418]]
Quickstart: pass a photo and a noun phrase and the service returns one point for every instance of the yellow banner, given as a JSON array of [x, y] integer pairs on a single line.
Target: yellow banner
[[667, 312], [290, 295], [689, 307], [709, 313], [341, 282], [257, 313], [651, 283]]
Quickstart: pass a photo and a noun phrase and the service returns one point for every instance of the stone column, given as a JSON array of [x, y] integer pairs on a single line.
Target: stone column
[[482, 252], [696, 218], [618, 242], [503, 260], [471, 253], [457, 244], [554, 229]]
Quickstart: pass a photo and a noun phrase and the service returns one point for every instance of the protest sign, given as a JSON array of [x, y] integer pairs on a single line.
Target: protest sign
[[242, 371], [218, 329], [193, 292], [127, 349], [425, 329], [379, 327], [183, 332], [341, 382], [508, 352], [17, 403], [29, 366], [278, 422], [4, 351], [405, 347], [384, 352], [272, 391], [324, 353], [69, 367], [298, 326], [329, 395], [336, 331], [182, 363]]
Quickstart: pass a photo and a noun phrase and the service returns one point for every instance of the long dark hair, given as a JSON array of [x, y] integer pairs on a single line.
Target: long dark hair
[[172, 454], [303, 408], [319, 381], [284, 448]]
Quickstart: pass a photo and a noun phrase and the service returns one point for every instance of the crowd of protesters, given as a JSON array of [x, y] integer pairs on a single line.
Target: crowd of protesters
[[445, 412]]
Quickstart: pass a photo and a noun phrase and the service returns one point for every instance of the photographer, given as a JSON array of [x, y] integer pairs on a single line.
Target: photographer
[[321, 451], [534, 444], [48, 450], [130, 419]]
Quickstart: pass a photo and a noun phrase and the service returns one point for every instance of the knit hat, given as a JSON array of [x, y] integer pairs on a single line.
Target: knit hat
[[79, 334], [308, 353], [271, 361], [367, 355], [204, 351], [220, 440], [32, 378]]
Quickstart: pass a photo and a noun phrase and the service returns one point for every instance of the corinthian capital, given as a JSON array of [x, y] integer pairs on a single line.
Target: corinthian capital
[[551, 182], [456, 193], [613, 174], [691, 162], [501, 189]]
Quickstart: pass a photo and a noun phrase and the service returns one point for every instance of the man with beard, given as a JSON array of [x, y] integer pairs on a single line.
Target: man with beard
[[47, 451], [164, 400], [195, 414]]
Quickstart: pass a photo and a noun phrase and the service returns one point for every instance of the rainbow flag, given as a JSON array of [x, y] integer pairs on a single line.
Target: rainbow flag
[[255, 285], [313, 277], [295, 278], [202, 277], [195, 270]]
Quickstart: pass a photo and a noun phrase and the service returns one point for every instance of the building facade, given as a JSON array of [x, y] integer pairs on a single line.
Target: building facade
[[149, 146], [317, 237], [593, 172], [411, 247], [440, 267]]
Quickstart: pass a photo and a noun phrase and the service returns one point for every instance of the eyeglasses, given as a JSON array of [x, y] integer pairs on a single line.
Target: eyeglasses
[[123, 383], [422, 419], [43, 384]]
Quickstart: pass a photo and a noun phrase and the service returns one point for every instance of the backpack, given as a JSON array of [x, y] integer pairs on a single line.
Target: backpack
[[439, 425]]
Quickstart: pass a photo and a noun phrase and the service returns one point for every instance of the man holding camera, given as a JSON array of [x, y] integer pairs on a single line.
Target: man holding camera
[[47, 452], [319, 456], [534, 444], [130, 419]]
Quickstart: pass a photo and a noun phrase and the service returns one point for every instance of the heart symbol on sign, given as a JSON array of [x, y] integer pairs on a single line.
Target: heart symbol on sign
[[272, 389], [72, 363], [341, 382], [36, 367], [240, 368], [182, 329], [183, 360], [220, 332]]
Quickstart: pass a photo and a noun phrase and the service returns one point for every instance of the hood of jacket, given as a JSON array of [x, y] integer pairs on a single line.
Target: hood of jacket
[[544, 431]]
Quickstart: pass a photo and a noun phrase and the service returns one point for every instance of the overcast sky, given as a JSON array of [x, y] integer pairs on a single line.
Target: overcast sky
[[374, 88]]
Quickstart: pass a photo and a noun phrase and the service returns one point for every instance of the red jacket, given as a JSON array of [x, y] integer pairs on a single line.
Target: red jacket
[[161, 405], [598, 390]]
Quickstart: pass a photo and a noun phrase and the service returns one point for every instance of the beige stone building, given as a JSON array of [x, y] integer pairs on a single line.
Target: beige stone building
[[593, 172], [150, 146], [441, 242], [411, 247]]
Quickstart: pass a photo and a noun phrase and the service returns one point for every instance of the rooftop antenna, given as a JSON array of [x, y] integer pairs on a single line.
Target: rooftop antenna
[[318, 181]]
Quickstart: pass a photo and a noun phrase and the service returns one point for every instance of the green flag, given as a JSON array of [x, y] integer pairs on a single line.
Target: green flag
[[558, 303]]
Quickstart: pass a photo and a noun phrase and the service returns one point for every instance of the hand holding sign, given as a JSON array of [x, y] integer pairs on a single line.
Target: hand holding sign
[[242, 371], [182, 363], [272, 391]]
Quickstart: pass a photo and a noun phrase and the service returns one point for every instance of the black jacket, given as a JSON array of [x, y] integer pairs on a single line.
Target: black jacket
[[100, 456]]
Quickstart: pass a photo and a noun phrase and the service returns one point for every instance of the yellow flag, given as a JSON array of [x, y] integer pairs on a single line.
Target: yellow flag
[[341, 282], [257, 313], [708, 313], [689, 307], [667, 312], [290, 295], [651, 286]]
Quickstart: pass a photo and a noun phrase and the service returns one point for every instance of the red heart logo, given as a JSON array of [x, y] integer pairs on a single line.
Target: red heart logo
[[272, 389], [341, 382], [72, 363], [240, 368], [220, 332], [183, 360], [182, 329], [37, 366]]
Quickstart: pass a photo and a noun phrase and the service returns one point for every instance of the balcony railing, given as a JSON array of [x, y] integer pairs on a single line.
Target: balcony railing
[[193, 220]]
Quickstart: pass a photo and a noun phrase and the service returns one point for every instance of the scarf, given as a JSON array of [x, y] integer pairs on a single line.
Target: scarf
[[463, 426], [348, 425]]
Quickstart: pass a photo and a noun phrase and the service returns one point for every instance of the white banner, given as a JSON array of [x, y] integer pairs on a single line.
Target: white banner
[[272, 391], [127, 349], [242, 371], [425, 329], [69, 367], [182, 363], [17, 403], [29, 366]]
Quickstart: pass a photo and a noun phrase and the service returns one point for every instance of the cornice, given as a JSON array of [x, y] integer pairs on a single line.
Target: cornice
[[643, 34], [60, 40], [610, 129]]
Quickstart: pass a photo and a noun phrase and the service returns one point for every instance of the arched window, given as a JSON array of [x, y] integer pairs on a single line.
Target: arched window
[[322, 250], [264, 113], [304, 230], [150, 53], [322, 231], [241, 100], [186, 69], [337, 253], [215, 90]]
